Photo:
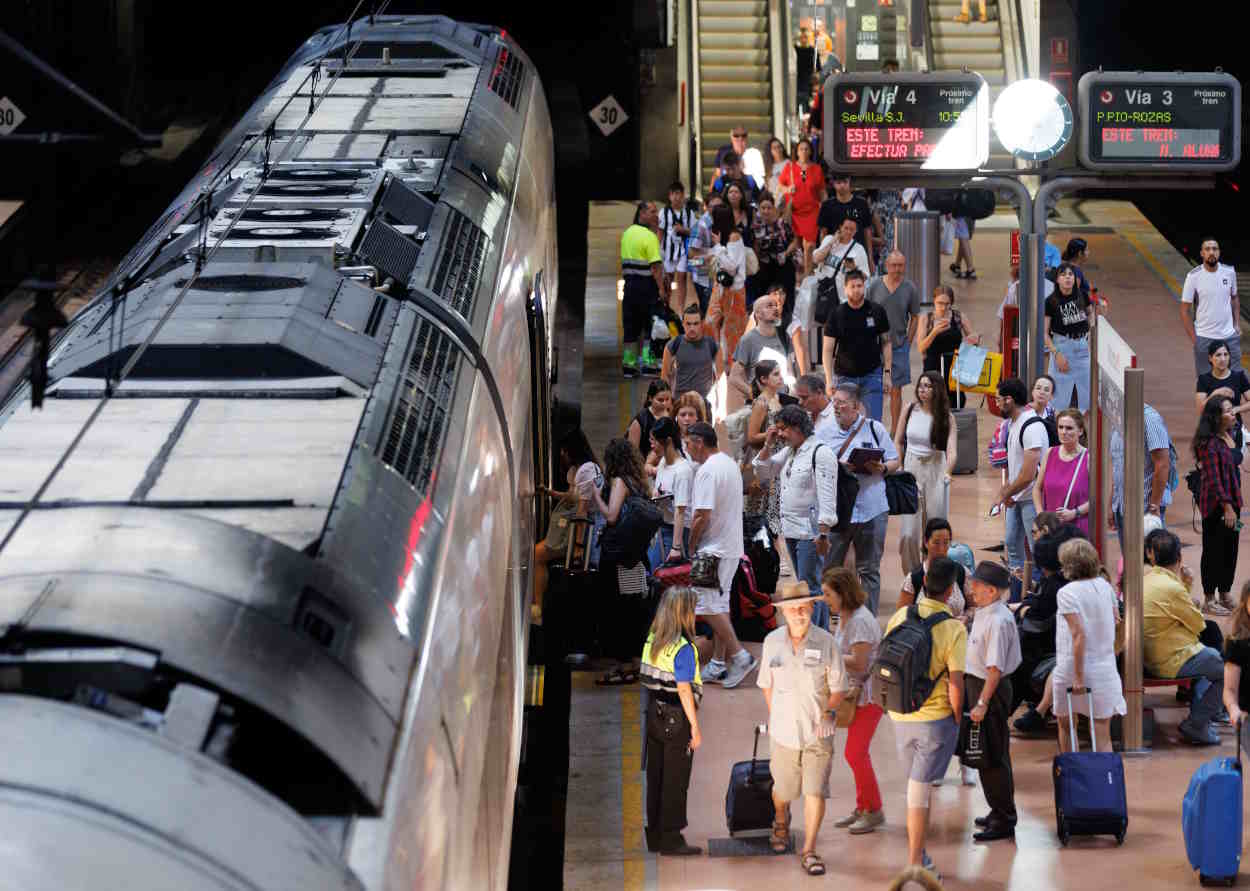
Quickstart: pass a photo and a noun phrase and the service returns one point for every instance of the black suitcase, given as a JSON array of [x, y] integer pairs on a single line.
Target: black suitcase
[[749, 801], [571, 586]]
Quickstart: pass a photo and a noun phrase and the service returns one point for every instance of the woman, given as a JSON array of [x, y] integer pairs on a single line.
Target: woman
[[964, 228], [926, 440], [727, 312], [1232, 384], [1075, 255], [937, 543], [1064, 474], [688, 408], [857, 636], [674, 480], [1219, 501], [744, 216], [622, 465], [658, 404], [775, 163], [775, 244], [577, 460], [939, 333], [804, 184], [1237, 662], [1043, 394], [670, 672], [768, 383], [1085, 645], [1068, 317]]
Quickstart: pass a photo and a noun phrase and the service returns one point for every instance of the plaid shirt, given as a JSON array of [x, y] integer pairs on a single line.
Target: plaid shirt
[[1220, 478]]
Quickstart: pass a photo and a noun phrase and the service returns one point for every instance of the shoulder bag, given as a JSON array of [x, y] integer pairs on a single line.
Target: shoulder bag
[[625, 542], [827, 288], [901, 492], [848, 484]]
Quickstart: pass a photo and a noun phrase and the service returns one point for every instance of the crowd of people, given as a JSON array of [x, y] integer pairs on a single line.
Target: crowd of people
[[800, 441]]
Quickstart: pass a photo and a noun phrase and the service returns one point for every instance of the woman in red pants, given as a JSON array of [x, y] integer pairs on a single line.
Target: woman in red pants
[[858, 636]]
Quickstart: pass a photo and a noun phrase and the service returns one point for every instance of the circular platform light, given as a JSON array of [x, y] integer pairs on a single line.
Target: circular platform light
[[1032, 120]]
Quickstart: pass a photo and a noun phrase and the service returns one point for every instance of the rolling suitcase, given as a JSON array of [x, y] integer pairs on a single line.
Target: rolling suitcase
[[1089, 788], [1211, 819], [749, 801], [965, 440]]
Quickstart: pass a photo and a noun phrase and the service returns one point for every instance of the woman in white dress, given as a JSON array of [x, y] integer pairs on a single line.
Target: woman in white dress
[[1085, 645]]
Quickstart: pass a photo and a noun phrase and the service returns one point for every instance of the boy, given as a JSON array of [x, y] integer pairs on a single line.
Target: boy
[[676, 223]]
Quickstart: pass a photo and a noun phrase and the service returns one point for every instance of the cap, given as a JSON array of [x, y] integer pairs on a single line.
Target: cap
[[993, 574]]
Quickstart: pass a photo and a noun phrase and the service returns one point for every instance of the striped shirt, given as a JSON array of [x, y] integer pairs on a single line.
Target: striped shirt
[[1156, 438], [674, 243]]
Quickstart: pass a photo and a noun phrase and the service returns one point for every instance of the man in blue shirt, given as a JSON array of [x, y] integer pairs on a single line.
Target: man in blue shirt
[[872, 511], [1159, 468], [696, 251]]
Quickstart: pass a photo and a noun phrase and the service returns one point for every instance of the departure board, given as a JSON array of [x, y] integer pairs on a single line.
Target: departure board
[[1157, 121], [906, 122]]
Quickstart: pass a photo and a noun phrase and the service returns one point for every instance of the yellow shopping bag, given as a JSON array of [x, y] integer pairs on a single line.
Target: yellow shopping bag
[[991, 372]]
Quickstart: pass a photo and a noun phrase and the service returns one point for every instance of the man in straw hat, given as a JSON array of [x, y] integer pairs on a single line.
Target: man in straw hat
[[802, 677]]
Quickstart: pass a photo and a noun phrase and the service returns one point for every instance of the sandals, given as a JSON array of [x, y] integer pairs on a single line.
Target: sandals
[[970, 274], [617, 678], [812, 864], [779, 841]]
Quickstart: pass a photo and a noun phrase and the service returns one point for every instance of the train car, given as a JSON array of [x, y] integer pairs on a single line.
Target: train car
[[265, 549]]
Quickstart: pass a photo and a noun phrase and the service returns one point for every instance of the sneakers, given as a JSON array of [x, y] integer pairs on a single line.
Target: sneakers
[[715, 672], [738, 670], [1213, 607], [1030, 722], [1222, 718], [649, 366], [867, 822], [967, 776], [629, 363], [1226, 601], [849, 820], [1193, 736]]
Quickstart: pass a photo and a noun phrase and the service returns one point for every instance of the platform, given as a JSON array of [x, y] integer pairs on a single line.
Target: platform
[[1141, 274]]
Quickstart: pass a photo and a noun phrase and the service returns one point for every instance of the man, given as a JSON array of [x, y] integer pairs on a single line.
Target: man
[[1171, 625], [1026, 440], [1213, 287], [993, 654], [808, 472], [733, 173], [803, 679], [901, 301], [643, 272], [700, 243], [738, 140], [857, 345], [676, 222], [1159, 464], [842, 253], [692, 361], [762, 342], [813, 399], [845, 204], [926, 737], [717, 531], [872, 511]]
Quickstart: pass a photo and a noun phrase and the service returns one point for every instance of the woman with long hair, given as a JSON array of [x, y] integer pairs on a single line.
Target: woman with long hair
[[803, 184], [1063, 478], [858, 635], [766, 386], [579, 467], [657, 404], [727, 311], [1231, 383], [1237, 662], [940, 332], [926, 439], [674, 480], [670, 672], [1068, 317], [744, 215], [622, 465], [775, 161], [1219, 502]]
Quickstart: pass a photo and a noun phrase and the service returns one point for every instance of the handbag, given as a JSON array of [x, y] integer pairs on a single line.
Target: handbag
[[948, 235], [902, 493], [705, 571], [969, 362], [827, 288], [670, 574], [847, 708], [972, 746]]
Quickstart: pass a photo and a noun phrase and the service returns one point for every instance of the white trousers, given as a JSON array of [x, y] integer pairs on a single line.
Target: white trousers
[[930, 473]]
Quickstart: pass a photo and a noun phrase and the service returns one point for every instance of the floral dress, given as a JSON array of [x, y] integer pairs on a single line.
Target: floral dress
[[888, 205], [768, 502]]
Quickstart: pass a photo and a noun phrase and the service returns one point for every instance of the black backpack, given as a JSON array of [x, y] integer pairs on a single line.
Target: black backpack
[[1052, 431], [625, 543], [901, 673]]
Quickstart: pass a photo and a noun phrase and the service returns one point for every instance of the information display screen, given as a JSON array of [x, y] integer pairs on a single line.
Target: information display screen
[[1158, 121], [906, 122]]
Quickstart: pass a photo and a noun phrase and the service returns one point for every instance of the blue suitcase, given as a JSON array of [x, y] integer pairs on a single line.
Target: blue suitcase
[[1211, 819], [749, 801], [1089, 788]]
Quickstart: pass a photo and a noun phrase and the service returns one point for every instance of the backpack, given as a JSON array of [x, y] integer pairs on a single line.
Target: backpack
[[901, 672], [1052, 431], [625, 543], [752, 612], [998, 444]]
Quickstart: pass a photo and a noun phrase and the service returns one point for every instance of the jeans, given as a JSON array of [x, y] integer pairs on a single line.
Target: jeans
[[1208, 668], [870, 392], [808, 564], [1202, 362], [704, 293], [1020, 517], [869, 540], [1076, 352]]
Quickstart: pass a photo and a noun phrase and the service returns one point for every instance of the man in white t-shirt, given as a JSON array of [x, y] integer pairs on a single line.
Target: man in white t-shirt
[[1026, 440], [717, 530], [1213, 287]]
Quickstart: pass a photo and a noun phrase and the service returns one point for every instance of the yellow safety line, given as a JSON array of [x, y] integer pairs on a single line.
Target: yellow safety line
[[635, 864]]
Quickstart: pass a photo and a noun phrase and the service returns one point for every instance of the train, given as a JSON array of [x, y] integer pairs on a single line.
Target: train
[[265, 549]]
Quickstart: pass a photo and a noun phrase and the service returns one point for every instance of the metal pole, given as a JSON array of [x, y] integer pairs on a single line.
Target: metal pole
[[1031, 316], [1134, 508], [1094, 438]]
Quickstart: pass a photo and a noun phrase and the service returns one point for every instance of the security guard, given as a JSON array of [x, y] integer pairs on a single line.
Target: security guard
[[643, 271], [670, 670]]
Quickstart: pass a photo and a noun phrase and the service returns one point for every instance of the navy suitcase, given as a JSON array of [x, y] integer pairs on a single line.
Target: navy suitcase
[[1211, 819], [1089, 788], [749, 801]]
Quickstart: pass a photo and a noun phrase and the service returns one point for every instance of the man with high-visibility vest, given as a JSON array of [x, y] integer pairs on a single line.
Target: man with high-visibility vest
[[642, 268]]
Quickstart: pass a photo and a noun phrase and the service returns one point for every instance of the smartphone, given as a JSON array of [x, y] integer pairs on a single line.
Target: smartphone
[[996, 510]]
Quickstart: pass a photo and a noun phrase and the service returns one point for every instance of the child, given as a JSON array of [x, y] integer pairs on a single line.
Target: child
[[676, 223]]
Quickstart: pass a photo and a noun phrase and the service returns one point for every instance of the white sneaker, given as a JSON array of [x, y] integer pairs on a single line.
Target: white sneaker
[[714, 674], [967, 775], [739, 670]]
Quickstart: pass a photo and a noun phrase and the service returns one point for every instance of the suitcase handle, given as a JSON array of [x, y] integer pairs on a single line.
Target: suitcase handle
[[1093, 737], [1237, 729], [755, 747]]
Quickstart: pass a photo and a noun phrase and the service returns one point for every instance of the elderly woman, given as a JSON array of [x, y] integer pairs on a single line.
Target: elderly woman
[[1085, 644], [670, 672]]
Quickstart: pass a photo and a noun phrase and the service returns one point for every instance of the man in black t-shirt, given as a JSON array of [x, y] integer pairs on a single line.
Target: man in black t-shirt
[[857, 349], [845, 204]]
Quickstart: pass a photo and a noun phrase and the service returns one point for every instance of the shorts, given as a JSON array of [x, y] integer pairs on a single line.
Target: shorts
[[926, 747], [900, 365], [802, 771], [961, 228], [711, 602], [678, 265]]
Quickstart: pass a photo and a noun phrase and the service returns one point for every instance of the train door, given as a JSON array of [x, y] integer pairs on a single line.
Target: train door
[[540, 403]]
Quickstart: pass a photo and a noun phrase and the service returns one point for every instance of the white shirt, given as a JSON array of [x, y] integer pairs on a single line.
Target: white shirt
[[1013, 295], [861, 627], [913, 199], [676, 479], [809, 486], [955, 602], [919, 433], [732, 258], [1034, 438], [718, 490], [826, 423], [1214, 292], [836, 250], [993, 642]]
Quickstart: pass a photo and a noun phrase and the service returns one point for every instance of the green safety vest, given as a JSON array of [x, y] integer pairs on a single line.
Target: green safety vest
[[656, 672], [639, 249]]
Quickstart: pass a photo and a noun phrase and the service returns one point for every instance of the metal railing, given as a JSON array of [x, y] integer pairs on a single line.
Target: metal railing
[[696, 102], [778, 55]]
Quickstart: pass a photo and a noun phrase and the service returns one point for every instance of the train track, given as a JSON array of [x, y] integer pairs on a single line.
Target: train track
[[79, 283]]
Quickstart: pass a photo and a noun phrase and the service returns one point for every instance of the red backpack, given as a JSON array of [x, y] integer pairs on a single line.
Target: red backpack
[[751, 610]]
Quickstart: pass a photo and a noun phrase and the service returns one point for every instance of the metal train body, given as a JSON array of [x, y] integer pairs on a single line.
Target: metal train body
[[266, 627]]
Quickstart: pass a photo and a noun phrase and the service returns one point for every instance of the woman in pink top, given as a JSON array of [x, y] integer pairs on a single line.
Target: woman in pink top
[[1063, 480]]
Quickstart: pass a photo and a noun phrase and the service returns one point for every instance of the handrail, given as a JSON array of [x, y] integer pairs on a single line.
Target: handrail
[[1011, 32], [777, 57], [696, 101], [928, 37]]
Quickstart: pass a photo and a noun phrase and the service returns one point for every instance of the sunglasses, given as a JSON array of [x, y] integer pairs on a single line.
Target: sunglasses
[[739, 136]]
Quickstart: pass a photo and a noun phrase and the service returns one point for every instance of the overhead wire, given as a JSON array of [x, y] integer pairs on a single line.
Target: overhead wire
[[204, 259]]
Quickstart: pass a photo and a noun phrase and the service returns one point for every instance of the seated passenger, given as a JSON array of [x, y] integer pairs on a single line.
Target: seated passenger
[[1171, 627], [1036, 620]]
